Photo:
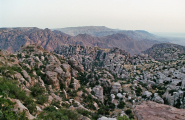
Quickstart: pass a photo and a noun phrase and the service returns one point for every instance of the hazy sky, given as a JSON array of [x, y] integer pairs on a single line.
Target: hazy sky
[[150, 15]]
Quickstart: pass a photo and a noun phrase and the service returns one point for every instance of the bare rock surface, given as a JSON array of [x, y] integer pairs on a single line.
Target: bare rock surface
[[98, 92], [52, 77], [25, 74], [105, 118], [149, 110], [116, 87], [20, 107]]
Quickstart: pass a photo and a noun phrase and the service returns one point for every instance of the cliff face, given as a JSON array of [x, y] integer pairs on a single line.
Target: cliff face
[[13, 38]]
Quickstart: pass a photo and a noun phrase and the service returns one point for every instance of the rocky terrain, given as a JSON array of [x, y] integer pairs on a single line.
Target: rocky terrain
[[80, 82], [166, 52], [134, 42]]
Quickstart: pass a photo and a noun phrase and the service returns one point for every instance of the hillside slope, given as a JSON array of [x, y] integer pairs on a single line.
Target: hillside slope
[[166, 51], [81, 83]]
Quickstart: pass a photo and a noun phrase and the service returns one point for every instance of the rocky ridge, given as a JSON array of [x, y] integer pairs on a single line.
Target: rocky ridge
[[166, 51], [101, 31], [13, 38]]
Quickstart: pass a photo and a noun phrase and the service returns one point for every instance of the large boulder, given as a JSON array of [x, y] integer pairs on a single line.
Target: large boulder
[[75, 65], [99, 92], [67, 78], [105, 118], [18, 76], [157, 98], [59, 70], [72, 62], [76, 84], [147, 94], [74, 73], [116, 87], [80, 68], [66, 67], [55, 97], [183, 84], [26, 76], [171, 98], [52, 79]]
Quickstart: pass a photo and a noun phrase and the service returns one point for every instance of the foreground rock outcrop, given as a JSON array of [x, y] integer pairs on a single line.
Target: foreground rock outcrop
[[149, 110]]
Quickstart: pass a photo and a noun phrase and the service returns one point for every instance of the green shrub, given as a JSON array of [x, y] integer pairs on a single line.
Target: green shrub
[[31, 107], [82, 78], [12, 55], [104, 110], [83, 112], [8, 88], [171, 91], [128, 111], [121, 105], [7, 113], [41, 99], [138, 91], [112, 105], [11, 70], [43, 76], [36, 90], [50, 113], [50, 109], [19, 55], [91, 106], [56, 103], [124, 117]]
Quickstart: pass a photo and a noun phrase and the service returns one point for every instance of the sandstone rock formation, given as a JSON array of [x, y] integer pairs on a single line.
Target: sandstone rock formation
[[116, 87], [99, 92], [149, 110], [52, 79], [20, 107]]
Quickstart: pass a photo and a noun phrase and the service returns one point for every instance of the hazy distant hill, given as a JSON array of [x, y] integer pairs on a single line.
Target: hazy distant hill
[[91, 30], [166, 51], [12, 38], [100, 31]]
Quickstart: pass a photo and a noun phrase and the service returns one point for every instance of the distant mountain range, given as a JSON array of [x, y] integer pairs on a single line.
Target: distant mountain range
[[132, 41], [101, 31]]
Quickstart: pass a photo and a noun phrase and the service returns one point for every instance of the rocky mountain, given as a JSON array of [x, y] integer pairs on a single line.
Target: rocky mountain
[[166, 51], [101, 31], [81, 83], [122, 41], [13, 38]]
